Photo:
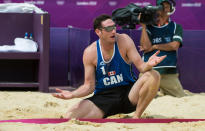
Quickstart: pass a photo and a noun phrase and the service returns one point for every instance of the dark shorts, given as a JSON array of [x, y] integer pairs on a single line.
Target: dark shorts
[[114, 101]]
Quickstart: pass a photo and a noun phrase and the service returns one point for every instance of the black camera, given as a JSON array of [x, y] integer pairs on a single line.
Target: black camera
[[128, 17]]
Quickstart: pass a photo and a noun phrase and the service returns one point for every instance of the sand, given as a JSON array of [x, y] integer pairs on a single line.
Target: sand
[[27, 105]]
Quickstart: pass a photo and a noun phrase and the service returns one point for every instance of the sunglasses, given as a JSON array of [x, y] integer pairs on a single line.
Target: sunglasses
[[109, 28]]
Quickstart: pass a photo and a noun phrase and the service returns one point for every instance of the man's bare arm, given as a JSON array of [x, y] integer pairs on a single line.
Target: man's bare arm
[[135, 58], [89, 82], [145, 42], [171, 46]]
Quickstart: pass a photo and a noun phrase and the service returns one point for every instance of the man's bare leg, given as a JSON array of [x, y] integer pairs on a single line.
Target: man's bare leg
[[143, 91], [85, 109]]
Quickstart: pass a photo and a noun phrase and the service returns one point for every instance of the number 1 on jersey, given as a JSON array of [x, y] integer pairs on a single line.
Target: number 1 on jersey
[[103, 70]]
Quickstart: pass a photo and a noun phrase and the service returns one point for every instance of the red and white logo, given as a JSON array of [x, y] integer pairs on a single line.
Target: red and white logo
[[111, 73]]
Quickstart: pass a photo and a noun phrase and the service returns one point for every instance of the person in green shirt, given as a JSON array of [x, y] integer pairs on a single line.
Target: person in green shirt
[[165, 36]]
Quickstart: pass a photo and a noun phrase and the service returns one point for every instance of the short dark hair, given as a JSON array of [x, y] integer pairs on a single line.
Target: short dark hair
[[98, 20]]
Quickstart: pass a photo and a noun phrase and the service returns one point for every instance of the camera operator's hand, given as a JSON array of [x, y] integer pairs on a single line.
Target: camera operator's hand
[[145, 51], [142, 24]]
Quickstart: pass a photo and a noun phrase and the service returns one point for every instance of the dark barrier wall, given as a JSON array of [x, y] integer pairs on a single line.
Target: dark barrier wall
[[59, 57], [190, 62], [80, 13], [79, 39]]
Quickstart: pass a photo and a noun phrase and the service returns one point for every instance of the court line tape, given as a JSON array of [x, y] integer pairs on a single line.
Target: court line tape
[[56, 120]]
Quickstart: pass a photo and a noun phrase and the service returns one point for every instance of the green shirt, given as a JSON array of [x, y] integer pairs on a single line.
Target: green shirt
[[162, 35]]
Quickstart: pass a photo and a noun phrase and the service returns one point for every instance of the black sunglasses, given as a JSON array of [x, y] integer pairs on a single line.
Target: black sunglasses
[[109, 28]]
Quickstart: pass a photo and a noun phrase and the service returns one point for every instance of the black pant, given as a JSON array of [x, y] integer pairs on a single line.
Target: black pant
[[114, 101]]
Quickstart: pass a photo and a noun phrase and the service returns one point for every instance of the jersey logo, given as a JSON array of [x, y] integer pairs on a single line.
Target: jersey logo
[[157, 40], [167, 39], [111, 73], [102, 63], [113, 79]]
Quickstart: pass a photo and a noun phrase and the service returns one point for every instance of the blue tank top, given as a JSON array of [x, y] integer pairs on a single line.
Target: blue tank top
[[113, 73]]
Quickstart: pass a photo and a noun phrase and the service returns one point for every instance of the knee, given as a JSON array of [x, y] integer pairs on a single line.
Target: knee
[[153, 78], [156, 75], [153, 75]]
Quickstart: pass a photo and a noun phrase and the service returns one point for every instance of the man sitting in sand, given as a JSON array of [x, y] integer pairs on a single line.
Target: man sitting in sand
[[107, 65]]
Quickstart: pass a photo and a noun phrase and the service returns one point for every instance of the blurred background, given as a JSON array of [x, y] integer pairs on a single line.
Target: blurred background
[[80, 13]]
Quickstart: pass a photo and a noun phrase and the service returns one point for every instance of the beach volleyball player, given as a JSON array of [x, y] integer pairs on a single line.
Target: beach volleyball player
[[107, 66]]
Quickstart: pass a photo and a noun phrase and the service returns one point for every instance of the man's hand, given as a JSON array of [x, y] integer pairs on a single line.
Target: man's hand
[[142, 24], [154, 59], [63, 94], [145, 51]]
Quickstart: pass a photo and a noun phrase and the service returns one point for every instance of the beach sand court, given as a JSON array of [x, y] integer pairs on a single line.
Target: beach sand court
[[30, 105]]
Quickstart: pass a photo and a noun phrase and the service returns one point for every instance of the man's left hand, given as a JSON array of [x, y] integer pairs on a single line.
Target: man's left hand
[[154, 59]]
